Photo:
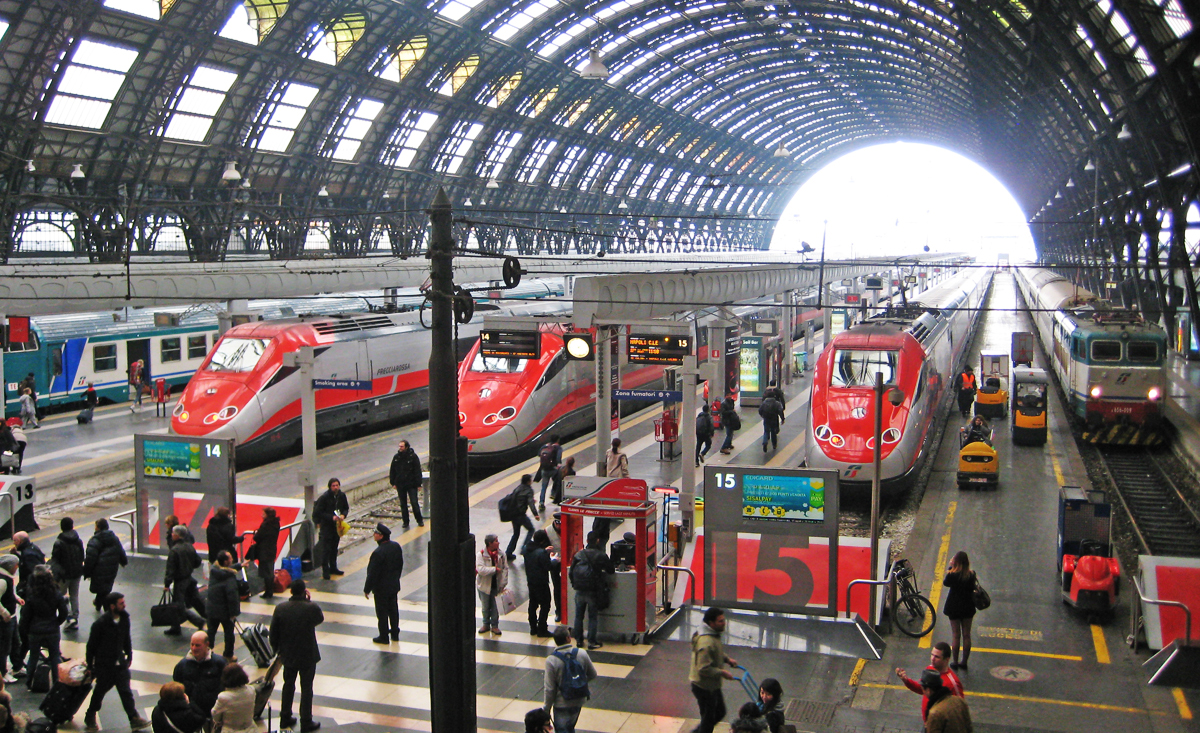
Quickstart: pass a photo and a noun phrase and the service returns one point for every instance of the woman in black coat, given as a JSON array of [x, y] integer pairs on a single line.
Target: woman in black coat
[[222, 535], [45, 610], [224, 602], [266, 546], [960, 605], [104, 557]]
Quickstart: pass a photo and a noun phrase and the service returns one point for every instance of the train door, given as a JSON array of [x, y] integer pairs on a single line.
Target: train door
[[139, 349]]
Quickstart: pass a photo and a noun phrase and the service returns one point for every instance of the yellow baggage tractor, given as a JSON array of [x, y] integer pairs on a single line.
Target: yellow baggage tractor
[[991, 400], [1030, 387], [978, 464]]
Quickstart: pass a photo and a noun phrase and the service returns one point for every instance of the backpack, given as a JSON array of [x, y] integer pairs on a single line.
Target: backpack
[[733, 420], [547, 457], [585, 576], [508, 507], [572, 684], [704, 424]]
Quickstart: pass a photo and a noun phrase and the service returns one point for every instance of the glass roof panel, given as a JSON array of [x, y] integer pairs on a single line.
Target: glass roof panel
[[456, 10], [239, 27], [90, 83], [144, 8], [520, 20]]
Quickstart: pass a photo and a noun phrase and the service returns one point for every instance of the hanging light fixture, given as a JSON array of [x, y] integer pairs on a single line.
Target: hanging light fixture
[[231, 172], [1124, 134], [77, 171], [492, 183], [1090, 165], [622, 205], [323, 193], [782, 151], [30, 167], [1070, 183], [245, 183], [468, 202], [594, 68], [386, 195], [1058, 194]]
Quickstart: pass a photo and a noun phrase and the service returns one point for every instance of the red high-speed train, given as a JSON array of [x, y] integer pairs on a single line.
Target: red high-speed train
[[918, 349]]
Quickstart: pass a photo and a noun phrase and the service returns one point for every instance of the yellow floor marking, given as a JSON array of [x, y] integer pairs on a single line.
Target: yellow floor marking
[[1181, 702], [857, 673], [1045, 700], [1058, 474], [1100, 644], [1043, 655], [935, 587]]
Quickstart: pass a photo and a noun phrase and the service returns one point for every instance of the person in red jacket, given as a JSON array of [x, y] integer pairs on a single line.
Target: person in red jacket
[[939, 661]]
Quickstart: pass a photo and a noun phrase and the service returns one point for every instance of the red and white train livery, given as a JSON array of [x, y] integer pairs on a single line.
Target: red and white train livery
[[917, 349]]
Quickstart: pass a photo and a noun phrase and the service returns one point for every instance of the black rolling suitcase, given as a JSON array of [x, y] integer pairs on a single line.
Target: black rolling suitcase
[[85, 416], [257, 639], [63, 701]]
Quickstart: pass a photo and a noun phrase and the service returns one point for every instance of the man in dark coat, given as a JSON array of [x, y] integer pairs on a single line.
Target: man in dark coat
[[181, 562], [266, 546], [729, 420], [522, 501], [30, 556], [539, 569], [296, 621], [772, 414], [383, 579], [405, 477], [327, 509], [222, 535], [200, 673], [105, 556], [108, 655], [66, 562]]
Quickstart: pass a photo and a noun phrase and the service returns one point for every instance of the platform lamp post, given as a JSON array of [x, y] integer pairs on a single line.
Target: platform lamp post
[[896, 397]]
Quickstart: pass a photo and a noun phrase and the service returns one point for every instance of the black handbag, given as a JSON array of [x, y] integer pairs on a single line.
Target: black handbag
[[980, 597], [166, 612], [252, 552]]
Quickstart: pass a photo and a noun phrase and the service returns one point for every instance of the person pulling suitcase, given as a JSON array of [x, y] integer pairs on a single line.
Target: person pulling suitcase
[[109, 654]]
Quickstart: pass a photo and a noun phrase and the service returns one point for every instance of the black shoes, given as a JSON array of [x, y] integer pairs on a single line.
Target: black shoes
[[173, 632], [395, 636], [310, 726], [381, 639], [545, 634], [336, 571], [594, 645], [287, 721]]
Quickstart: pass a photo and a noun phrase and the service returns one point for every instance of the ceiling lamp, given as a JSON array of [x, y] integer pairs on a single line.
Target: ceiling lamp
[[323, 193], [386, 195], [492, 183], [29, 166], [1058, 194], [1070, 183], [1124, 134], [622, 205], [231, 172], [77, 171], [782, 151], [594, 68], [246, 183], [468, 202], [1090, 165]]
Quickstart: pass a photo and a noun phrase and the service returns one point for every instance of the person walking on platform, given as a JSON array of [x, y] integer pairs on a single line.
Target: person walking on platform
[[44, 611], [772, 414], [383, 579], [294, 633], [549, 459], [589, 573], [135, 385], [265, 548], [939, 661], [773, 390], [618, 463], [566, 469], [522, 499], [31, 556], [108, 654], [8, 617], [960, 606], [731, 421], [965, 386], [948, 713], [200, 672], [327, 510], [182, 561], [221, 535], [224, 601], [708, 669], [539, 568], [554, 534], [29, 383], [406, 479], [565, 684], [491, 578], [704, 434], [66, 562], [104, 558], [29, 417]]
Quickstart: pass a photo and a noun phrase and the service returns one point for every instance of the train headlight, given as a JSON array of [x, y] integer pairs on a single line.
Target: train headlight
[[1154, 393], [179, 409], [227, 412], [210, 418], [1094, 392]]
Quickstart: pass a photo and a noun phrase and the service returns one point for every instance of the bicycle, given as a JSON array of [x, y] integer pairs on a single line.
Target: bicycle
[[911, 612]]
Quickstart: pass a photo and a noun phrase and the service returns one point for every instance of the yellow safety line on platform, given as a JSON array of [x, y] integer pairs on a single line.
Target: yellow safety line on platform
[[1046, 700], [935, 588], [857, 673], [1058, 474], [1043, 655], [1181, 702], [1100, 644]]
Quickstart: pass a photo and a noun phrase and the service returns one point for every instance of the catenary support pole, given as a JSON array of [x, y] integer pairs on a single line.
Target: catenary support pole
[[687, 435], [604, 361], [452, 668], [875, 489]]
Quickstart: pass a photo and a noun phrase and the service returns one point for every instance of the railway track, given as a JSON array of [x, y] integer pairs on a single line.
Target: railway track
[[1163, 521]]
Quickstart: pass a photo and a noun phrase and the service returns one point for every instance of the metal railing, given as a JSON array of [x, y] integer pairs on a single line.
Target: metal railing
[[120, 518], [1136, 619], [864, 581], [681, 569]]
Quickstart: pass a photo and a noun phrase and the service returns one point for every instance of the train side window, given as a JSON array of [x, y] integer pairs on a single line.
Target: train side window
[[197, 347], [555, 367], [56, 360], [1106, 351], [171, 350], [1145, 352], [104, 357]]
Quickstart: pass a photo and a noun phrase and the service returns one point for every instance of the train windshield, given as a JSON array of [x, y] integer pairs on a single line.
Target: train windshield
[[1143, 351], [498, 364], [1031, 394], [236, 355], [854, 368]]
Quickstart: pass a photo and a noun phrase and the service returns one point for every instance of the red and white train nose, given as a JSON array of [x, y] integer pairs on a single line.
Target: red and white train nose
[[215, 407]]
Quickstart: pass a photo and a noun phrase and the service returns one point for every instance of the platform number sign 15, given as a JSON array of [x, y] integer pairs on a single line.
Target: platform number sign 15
[[727, 480]]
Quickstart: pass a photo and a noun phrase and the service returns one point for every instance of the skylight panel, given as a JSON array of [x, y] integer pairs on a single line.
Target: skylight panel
[[565, 37], [640, 181], [459, 77], [90, 83], [144, 8], [566, 166], [322, 50], [357, 127], [456, 10], [618, 174], [593, 171], [497, 155], [3, 27], [678, 187], [404, 59], [457, 145], [239, 27], [286, 117], [407, 139], [1176, 18], [198, 104], [531, 167], [519, 21], [628, 68]]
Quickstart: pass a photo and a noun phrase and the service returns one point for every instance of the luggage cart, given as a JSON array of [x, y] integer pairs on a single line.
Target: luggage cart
[[748, 684]]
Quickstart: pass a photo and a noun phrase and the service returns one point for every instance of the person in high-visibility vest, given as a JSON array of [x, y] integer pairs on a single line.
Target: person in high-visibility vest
[[966, 385]]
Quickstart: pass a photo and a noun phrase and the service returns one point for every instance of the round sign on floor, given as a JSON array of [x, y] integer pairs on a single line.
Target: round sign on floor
[[1012, 674]]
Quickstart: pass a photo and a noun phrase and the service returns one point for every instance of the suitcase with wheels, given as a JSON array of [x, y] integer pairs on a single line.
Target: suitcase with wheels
[[84, 417], [42, 677], [63, 701], [257, 640], [283, 580], [263, 687]]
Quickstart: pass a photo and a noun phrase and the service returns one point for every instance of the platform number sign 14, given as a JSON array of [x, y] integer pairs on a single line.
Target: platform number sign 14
[[213, 450]]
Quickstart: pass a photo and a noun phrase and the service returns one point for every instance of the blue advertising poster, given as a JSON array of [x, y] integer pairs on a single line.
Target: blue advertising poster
[[170, 459], [786, 498]]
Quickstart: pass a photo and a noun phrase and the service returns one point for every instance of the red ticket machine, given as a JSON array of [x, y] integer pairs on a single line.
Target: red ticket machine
[[623, 502]]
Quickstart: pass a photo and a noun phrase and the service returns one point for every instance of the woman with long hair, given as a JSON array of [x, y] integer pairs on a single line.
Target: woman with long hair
[[224, 602], [45, 610], [960, 606]]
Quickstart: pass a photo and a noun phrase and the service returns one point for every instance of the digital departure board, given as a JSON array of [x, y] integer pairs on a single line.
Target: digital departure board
[[510, 344], [658, 349]]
